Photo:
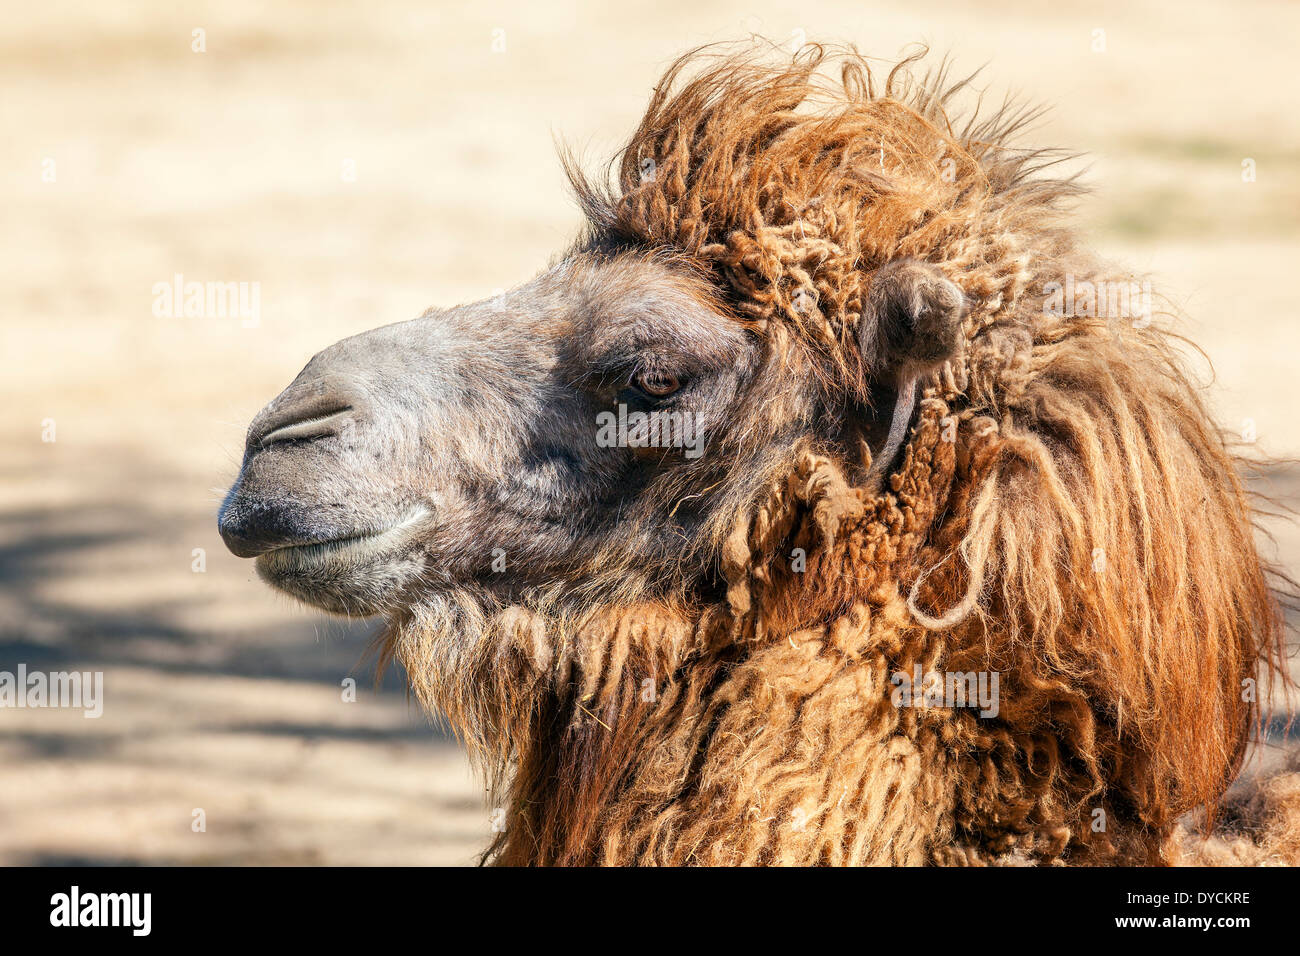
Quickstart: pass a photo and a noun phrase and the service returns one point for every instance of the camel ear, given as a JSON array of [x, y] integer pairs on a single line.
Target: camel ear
[[912, 321]]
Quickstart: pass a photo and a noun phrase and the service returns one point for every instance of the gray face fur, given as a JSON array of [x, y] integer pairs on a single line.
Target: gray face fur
[[466, 446], [496, 447]]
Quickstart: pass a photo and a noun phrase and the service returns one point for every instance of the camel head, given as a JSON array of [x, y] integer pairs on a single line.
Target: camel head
[[800, 411], [593, 432]]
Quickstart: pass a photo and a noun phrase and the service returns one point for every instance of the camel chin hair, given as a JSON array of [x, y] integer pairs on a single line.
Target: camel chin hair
[[788, 517]]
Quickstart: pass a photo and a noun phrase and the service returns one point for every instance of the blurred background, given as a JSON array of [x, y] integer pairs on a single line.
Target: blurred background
[[360, 162]]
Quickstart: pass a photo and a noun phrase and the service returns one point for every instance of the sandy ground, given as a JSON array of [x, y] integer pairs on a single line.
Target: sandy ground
[[233, 165]]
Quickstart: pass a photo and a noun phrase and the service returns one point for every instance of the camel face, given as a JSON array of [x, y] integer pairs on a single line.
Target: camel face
[[500, 445]]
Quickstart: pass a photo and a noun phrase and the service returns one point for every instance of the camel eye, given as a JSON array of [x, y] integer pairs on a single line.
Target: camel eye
[[657, 384]]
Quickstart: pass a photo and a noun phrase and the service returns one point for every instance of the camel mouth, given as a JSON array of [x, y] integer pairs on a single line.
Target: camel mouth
[[354, 573], [327, 550]]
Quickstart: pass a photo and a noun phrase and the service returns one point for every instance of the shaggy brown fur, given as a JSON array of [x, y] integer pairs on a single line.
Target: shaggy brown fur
[[1065, 514], [1259, 825]]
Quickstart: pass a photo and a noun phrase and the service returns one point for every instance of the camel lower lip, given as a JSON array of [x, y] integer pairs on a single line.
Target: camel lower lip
[[353, 549], [322, 549]]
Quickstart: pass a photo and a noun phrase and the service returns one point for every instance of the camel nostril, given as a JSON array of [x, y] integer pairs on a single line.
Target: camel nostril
[[305, 429]]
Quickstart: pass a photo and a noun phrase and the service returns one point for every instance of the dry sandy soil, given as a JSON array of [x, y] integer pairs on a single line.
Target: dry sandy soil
[[230, 165]]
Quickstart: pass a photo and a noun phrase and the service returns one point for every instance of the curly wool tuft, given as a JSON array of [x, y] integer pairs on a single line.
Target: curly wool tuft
[[1064, 514]]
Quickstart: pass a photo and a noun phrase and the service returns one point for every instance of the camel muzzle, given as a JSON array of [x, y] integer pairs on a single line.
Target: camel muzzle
[[345, 470]]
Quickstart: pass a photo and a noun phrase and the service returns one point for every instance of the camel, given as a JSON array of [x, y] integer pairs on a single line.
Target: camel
[[827, 502]]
